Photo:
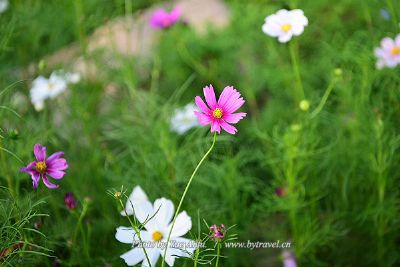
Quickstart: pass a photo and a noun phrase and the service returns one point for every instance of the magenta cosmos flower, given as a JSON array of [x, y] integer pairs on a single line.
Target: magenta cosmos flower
[[217, 232], [54, 166], [69, 200], [161, 19], [220, 114]]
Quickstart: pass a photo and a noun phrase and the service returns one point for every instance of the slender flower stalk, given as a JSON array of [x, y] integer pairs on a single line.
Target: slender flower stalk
[[218, 253], [184, 194], [137, 231], [296, 69], [85, 208]]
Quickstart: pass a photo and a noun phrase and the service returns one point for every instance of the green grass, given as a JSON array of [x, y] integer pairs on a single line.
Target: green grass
[[338, 163]]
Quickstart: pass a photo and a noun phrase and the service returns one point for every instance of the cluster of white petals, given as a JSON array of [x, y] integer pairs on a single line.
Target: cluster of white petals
[[285, 24], [184, 119], [388, 54], [156, 219], [43, 88]]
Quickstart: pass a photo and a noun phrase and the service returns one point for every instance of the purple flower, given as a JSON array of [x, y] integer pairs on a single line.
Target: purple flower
[[161, 19], [288, 259], [217, 232], [70, 201], [54, 166]]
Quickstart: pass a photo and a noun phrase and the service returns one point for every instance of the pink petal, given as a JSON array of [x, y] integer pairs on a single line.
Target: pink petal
[[234, 118], [40, 152], [30, 168], [157, 18], [387, 43], [397, 40], [234, 105], [228, 128], [225, 96], [215, 127], [201, 105], [47, 182], [58, 164], [175, 14], [56, 174], [210, 96], [54, 156], [35, 179], [203, 118]]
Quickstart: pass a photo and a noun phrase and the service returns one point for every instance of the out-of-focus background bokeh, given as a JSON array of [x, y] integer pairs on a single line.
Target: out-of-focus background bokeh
[[324, 177]]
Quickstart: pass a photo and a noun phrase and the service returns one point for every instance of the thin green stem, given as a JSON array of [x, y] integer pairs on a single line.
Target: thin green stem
[[218, 254], [184, 194], [136, 231], [296, 69], [196, 257], [324, 98], [78, 225]]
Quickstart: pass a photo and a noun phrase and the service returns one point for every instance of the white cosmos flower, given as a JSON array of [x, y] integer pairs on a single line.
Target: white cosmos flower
[[157, 223], [3, 5], [184, 119], [284, 24], [43, 88], [388, 54]]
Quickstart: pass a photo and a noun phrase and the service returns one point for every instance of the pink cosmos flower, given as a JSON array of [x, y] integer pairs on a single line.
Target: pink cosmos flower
[[388, 53], [217, 232], [220, 114], [54, 166], [161, 19], [69, 200]]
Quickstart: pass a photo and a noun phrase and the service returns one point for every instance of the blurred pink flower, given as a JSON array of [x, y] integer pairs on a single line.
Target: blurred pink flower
[[280, 191], [70, 201], [220, 114], [161, 19], [288, 259], [54, 166], [388, 53], [217, 232]]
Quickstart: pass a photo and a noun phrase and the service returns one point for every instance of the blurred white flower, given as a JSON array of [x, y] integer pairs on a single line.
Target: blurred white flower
[[184, 119], [43, 88], [388, 54], [284, 24], [157, 223], [3, 5], [70, 77]]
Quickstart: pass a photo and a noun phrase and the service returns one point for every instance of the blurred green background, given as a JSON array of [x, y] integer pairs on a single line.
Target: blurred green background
[[339, 167]]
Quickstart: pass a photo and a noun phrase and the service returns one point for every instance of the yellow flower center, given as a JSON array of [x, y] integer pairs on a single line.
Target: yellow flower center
[[51, 86], [286, 27], [41, 166], [217, 113], [395, 51], [157, 236]]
